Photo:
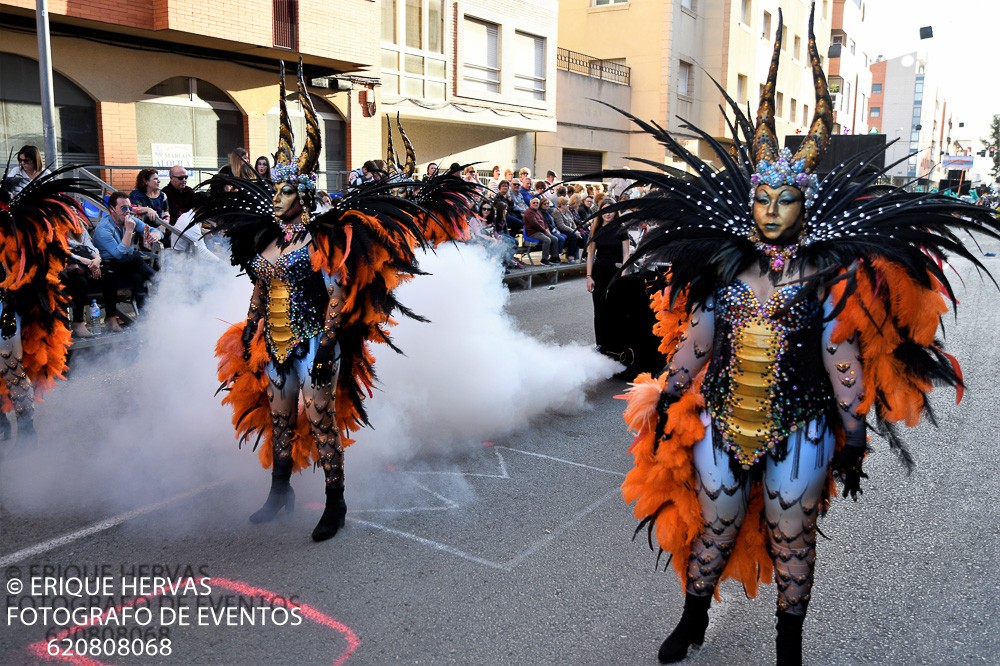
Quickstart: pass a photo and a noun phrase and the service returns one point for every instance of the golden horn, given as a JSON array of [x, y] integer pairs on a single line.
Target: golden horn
[[309, 157], [765, 140], [818, 138]]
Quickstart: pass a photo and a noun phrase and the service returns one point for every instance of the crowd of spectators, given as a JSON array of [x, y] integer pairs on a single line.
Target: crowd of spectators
[[512, 211]]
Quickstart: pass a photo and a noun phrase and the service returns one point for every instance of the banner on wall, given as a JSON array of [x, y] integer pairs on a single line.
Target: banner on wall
[[166, 155]]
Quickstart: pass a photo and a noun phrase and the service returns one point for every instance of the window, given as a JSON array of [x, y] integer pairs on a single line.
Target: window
[[285, 24], [413, 62], [389, 21], [529, 73], [805, 115], [837, 39], [797, 53], [20, 107], [766, 30], [741, 89], [876, 112], [792, 108], [853, 45], [688, 5], [746, 11], [414, 24], [876, 88], [845, 97], [779, 103], [192, 113], [685, 79], [481, 56], [435, 26], [601, 3]]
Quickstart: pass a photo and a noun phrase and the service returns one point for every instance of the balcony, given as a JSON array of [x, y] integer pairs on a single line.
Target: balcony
[[605, 70]]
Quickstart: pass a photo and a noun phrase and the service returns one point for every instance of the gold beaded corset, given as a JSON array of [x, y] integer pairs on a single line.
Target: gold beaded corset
[[295, 302], [766, 379]]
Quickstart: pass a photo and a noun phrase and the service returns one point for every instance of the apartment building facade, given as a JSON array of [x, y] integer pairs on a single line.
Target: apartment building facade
[[673, 47], [151, 82], [849, 73], [472, 81], [145, 81], [909, 108]]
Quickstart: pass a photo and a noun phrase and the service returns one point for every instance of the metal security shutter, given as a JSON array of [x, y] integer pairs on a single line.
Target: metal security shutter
[[578, 162]]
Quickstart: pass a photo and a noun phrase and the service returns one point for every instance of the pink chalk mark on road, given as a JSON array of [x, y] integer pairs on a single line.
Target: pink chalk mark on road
[[40, 648]]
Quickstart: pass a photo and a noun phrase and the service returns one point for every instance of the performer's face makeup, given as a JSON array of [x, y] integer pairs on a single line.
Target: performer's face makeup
[[778, 212], [286, 201]]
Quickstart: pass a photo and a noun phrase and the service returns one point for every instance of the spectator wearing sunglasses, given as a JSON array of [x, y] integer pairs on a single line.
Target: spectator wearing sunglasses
[[180, 197]]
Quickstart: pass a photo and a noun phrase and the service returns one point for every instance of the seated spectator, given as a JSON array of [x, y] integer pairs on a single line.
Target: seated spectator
[[83, 275], [586, 208], [502, 206], [567, 225], [494, 182], [180, 197], [546, 210], [432, 170], [536, 228], [149, 203], [518, 206], [494, 233], [508, 175], [114, 239], [29, 166], [323, 202], [471, 175]]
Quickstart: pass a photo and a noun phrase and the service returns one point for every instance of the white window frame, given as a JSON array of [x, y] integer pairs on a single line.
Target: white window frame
[[685, 73], [530, 85], [399, 51], [474, 86]]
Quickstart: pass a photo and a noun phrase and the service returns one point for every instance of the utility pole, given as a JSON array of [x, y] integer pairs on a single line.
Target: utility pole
[[45, 81]]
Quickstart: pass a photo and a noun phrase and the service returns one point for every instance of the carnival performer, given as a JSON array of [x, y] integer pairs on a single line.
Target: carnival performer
[[323, 289], [35, 335], [795, 308]]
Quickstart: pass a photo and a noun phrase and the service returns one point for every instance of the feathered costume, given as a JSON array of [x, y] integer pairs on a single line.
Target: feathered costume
[[317, 309], [34, 329], [733, 463]]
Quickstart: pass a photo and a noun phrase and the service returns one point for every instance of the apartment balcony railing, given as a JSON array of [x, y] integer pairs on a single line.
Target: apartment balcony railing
[[606, 70]]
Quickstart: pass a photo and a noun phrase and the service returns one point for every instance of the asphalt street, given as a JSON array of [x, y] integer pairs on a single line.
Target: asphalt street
[[518, 550]]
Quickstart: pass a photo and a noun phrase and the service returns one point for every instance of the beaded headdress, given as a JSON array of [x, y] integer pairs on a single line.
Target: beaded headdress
[[776, 167], [302, 172]]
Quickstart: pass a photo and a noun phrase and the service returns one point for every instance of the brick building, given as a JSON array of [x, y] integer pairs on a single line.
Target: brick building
[[140, 82]]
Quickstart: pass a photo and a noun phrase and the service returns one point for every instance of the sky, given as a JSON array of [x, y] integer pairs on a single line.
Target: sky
[[959, 54]]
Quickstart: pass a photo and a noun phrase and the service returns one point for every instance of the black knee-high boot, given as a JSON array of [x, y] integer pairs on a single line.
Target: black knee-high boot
[[788, 643], [689, 631], [281, 496]]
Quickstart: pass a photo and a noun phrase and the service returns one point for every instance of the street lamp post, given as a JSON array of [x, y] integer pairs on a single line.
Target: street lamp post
[[45, 81]]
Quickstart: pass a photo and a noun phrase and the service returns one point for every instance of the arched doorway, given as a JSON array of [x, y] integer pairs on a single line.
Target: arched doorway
[[333, 157], [184, 119], [21, 113]]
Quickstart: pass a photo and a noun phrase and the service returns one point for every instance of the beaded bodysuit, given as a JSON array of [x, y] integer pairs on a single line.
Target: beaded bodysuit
[[766, 378], [295, 302]]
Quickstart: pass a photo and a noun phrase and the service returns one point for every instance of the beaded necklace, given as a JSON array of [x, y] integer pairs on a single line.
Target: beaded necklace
[[778, 256]]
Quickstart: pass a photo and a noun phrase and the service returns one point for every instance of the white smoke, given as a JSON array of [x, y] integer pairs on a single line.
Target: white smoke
[[139, 421]]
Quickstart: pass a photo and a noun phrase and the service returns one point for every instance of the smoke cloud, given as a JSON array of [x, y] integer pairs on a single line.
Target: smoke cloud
[[139, 421]]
